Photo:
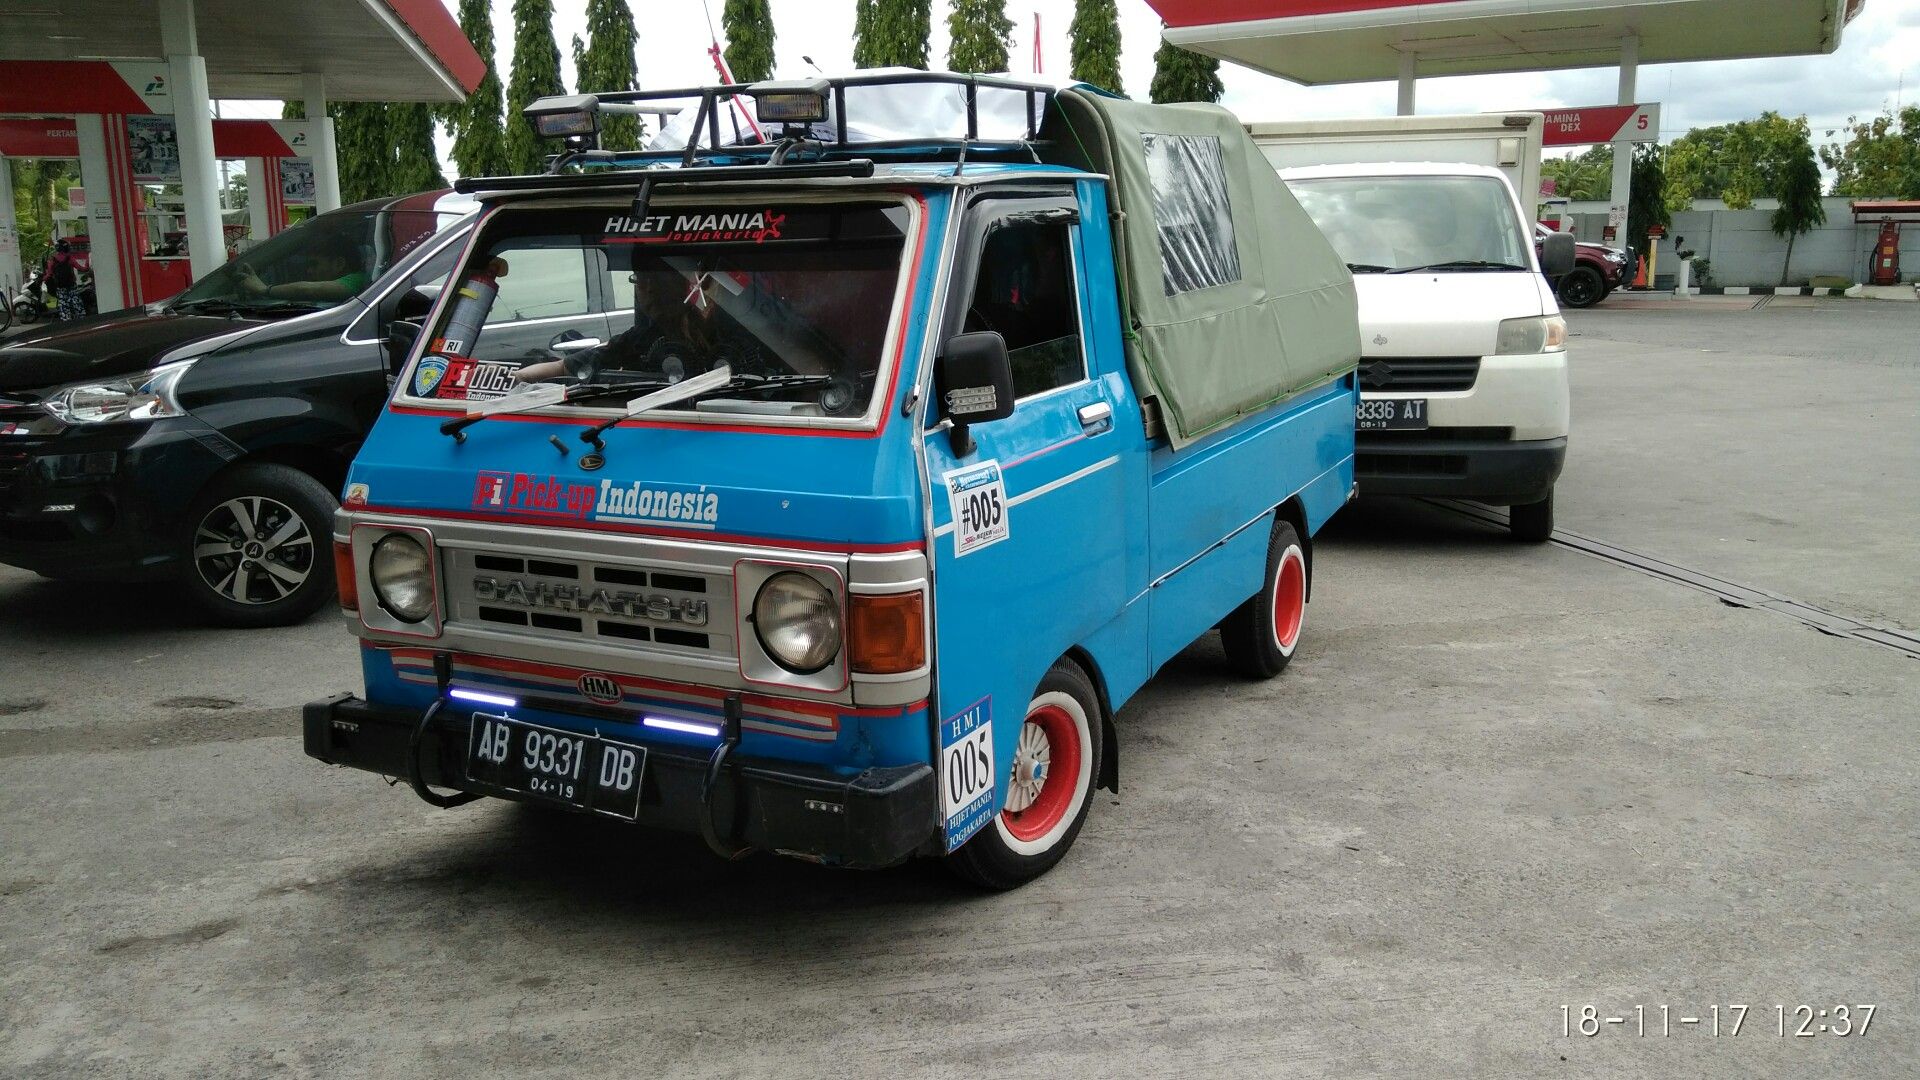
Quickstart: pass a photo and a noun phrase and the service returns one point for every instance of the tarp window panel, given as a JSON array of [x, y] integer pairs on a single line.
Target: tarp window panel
[[1193, 215]]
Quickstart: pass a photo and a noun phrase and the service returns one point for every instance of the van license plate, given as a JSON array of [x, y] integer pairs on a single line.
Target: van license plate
[[1391, 414], [586, 772]]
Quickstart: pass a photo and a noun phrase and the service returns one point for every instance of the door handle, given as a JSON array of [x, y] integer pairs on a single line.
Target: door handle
[[1096, 418]]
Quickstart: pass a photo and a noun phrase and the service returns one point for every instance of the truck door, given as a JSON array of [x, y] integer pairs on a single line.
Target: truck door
[[1031, 527]]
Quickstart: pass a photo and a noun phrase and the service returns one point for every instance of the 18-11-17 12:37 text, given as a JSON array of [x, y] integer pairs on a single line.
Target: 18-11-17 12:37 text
[[1663, 1021]]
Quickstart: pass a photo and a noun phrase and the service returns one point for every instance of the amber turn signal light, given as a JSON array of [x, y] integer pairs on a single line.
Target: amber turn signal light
[[343, 576], [887, 634]]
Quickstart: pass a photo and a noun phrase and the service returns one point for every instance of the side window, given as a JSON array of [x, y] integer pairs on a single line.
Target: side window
[[1191, 211], [541, 283], [1025, 292], [434, 271]]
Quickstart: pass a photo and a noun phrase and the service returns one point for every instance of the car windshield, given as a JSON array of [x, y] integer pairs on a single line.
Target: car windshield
[[794, 300], [1380, 224], [319, 263]]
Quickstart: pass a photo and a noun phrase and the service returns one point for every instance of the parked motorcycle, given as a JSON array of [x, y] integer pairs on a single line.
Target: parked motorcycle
[[30, 302]]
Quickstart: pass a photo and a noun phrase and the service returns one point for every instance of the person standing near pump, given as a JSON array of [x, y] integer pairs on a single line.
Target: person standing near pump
[[62, 275]]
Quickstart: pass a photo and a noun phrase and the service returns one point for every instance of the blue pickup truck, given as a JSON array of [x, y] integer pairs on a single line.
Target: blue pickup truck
[[929, 415]]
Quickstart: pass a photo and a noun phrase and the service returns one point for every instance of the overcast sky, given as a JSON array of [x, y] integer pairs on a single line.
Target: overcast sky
[[1877, 65]]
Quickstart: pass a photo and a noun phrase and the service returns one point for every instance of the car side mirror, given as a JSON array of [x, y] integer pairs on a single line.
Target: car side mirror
[[401, 336], [975, 383], [1556, 254], [416, 302]]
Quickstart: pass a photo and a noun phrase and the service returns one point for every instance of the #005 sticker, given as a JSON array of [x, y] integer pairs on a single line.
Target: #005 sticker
[[977, 495]]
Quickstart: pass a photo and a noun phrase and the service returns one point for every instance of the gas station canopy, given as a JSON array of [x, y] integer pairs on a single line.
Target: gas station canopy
[[369, 50], [1344, 41]]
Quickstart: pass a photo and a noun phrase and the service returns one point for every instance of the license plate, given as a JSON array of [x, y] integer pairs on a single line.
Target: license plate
[[587, 772], [1391, 414]]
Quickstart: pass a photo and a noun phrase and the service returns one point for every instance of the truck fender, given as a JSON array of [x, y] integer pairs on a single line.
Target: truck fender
[[1109, 777]]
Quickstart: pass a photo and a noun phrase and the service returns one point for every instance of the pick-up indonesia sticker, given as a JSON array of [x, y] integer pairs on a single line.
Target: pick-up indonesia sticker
[[977, 496], [966, 771], [632, 503], [697, 226]]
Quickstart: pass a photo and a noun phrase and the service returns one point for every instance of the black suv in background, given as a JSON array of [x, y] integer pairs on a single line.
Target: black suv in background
[[203, 438]]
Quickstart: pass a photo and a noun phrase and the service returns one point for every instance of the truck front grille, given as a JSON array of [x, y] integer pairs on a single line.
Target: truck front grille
[[562, 598], [1419, 374]]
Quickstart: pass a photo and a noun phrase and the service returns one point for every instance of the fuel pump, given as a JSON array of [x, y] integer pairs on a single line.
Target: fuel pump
[[1886, 255]]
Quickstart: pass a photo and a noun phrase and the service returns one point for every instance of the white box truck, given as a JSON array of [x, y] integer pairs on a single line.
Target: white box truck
[[1463, 374]]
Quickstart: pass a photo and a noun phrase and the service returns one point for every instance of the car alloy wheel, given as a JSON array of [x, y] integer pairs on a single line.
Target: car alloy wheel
[[253, 550]]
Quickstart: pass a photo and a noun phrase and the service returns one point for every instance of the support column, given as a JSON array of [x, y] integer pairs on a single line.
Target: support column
[[259, 201], [1409, 64], [326, 166], [96, 176], [10, 275], [1621, 194], [193, 127]]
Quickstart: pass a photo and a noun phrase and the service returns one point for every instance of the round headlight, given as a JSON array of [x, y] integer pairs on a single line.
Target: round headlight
[[402, 577], [797, 622]]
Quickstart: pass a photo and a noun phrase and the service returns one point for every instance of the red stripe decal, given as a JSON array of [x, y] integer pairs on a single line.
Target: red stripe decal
[[649, 530]]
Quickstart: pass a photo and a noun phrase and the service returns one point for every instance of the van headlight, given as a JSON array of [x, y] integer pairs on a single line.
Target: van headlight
[[1534, 334], [797, 621], [402, 577], [146, 396]]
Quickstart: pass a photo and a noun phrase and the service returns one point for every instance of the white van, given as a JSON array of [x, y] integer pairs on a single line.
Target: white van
[[1463, 374]]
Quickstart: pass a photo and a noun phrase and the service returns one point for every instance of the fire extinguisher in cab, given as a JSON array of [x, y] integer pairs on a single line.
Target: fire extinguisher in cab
[[470, 307]]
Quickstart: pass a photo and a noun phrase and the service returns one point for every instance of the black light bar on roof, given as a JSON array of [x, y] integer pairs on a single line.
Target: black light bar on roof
[[565, 116], [792, 102]]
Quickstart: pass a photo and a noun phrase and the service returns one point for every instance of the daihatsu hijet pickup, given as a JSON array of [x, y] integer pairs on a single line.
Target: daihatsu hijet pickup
[[908, 451]]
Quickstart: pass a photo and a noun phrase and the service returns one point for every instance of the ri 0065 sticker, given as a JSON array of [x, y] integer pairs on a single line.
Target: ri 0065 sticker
[[977, 495], [966, 771]]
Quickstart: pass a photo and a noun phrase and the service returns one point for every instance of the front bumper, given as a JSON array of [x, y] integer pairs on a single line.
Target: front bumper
[[106, 503], [1496, 471], [876, 817]]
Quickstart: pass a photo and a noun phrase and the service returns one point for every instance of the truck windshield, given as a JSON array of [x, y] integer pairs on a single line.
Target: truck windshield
[[1380, 224], [321, 262], [794, 300]]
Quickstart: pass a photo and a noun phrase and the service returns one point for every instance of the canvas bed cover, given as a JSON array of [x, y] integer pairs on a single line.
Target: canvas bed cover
[[1234, 299]]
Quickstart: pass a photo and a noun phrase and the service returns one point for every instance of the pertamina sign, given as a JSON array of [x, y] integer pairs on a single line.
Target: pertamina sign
[[1602, 124]]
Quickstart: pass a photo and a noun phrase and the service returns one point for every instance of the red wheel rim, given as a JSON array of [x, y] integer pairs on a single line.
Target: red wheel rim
[[1289, 598], [1059, 777]]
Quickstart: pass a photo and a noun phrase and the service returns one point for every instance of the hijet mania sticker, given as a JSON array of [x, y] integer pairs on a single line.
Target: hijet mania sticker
[[966, 771], [697, 226], [631, 502]]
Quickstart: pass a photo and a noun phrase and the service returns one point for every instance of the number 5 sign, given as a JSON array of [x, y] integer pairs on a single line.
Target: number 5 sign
[[977, 495], [1602, 124]]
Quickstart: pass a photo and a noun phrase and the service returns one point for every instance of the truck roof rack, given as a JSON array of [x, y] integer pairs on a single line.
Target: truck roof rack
[[897, 113]]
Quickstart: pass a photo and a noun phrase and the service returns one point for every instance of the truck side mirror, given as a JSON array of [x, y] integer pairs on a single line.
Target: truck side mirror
[[975, 383], [416, 302], [401, 334], [1556, 254]]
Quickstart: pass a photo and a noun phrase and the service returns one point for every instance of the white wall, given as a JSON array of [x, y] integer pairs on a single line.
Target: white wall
[[1744, 251]]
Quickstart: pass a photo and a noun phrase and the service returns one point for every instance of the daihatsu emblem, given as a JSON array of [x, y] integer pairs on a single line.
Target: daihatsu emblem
[[592, 462]]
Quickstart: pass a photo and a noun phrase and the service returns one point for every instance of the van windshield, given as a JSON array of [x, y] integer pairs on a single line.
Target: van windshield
[[1383, 224], [319, 263], [794, 300]]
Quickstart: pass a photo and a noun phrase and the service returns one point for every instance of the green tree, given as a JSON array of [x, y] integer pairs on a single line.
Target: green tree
[[1881, 156], [892, 33], [1184, 75], [605, 64], [1583, 177], [535, 74], [1649, 203], [748, 26], [979, 35], [361, 142], [479, 138], [1736, 162], [1800, 210], [413, 163], [39, 189], [1093, 44]]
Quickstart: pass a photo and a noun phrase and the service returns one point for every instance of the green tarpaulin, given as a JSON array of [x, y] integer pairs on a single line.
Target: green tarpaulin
[[1233, 298]]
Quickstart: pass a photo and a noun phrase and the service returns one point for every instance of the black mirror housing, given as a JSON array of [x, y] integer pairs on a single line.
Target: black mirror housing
[[401, 336], [1557, 254], [414, 304], [975, 383]]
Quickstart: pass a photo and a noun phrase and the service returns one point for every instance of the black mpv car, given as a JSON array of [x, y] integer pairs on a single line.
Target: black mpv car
[[203, 438]]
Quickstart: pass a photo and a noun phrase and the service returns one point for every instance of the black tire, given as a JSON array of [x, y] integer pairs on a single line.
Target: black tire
[[1582, 287], [25, 312], [1260, 636], [1532, 523], [277, 526], [1013, 848]]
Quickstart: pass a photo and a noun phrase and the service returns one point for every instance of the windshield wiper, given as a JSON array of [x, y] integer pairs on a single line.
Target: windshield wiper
[[541, 396], [717, 379], [208, 304], [1457, 264], [1368, 268]]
